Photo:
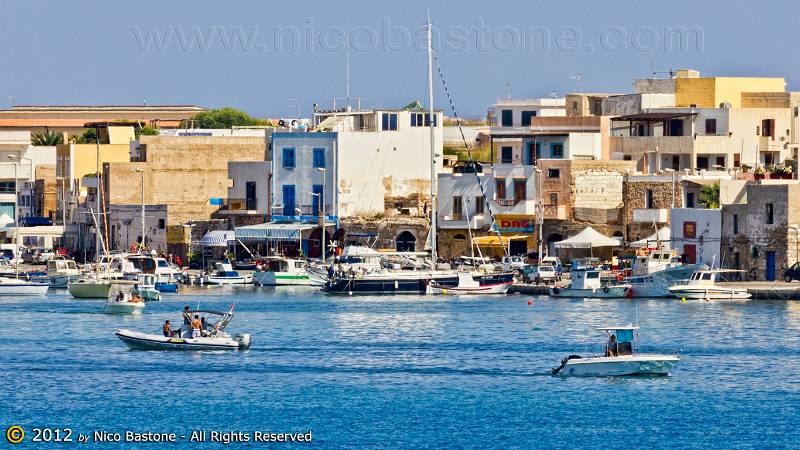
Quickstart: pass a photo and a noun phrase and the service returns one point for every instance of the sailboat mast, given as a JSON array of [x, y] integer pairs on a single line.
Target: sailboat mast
[[433, 141], [97, 201]]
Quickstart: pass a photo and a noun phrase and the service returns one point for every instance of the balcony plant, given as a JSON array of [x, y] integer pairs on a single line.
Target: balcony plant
[[745, 168], [759, 173]]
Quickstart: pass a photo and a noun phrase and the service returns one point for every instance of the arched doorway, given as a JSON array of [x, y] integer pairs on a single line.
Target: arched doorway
[[551, 243], [315, 244], [459, 246], [405, 242]]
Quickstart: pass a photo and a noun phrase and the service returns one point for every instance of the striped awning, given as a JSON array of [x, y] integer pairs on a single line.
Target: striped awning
[[218, 238], [272, 231]]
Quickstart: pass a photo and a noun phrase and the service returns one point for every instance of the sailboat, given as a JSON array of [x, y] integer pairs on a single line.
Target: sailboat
[[388, 280]]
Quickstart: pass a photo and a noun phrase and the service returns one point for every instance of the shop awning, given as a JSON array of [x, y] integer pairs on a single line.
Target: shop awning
[[272, 231], [588, 238], [495, 241], [217, 238]]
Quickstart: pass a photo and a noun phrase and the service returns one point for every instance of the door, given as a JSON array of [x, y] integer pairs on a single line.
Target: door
[[517, 247], [770, 275], [689, 254], [288, 200], [250, 195], [317, 190]]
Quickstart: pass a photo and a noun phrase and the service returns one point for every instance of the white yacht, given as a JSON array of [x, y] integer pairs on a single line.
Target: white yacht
[[619, 358], [467, 285], [280, 271], [702, 286], [17, 286], [653, 274], [225, 274], [60, 273], [585, 283]]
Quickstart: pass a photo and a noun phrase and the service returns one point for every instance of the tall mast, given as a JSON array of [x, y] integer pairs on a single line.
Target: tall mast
[[97, 198], [433, 141]]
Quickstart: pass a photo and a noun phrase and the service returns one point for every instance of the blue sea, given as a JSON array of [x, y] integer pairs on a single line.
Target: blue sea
[[407, 372]]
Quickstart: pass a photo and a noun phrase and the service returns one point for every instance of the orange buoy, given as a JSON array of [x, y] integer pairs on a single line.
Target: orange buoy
[[629, 294], [530, 302], [620, 276]]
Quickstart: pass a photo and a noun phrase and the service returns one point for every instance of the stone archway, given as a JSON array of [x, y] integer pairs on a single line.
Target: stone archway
[[405, 242]]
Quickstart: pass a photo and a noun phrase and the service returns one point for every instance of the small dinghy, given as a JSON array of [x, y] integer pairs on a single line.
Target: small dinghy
[[620, 359], [211, 337], [123, 299], [467, 285]]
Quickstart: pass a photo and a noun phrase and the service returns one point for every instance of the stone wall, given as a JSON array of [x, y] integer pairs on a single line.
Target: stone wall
[[388, 229], [45, 197], [635, 192]]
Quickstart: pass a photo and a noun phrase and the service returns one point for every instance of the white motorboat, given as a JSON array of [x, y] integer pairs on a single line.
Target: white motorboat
[[282, 271], [619, 359], [585, 283], [653, 274], [124, 300], [226, 275], [212, 337], [146, 287], [467, 285], [90, 287], [16, 286], [702, 286], [60, 273]]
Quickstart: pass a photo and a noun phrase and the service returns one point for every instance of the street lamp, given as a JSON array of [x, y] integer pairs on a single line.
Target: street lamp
[[321, 210], [16, 207], [672, 172], [141, 172], [540, 212]]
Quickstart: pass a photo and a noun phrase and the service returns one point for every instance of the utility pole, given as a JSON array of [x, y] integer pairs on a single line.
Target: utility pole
[[141, 172]]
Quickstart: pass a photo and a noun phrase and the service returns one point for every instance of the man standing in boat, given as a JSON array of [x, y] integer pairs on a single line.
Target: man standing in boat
[[187, 320], [611, 347]]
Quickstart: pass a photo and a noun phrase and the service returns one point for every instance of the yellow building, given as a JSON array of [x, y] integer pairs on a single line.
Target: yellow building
[[714, 92]]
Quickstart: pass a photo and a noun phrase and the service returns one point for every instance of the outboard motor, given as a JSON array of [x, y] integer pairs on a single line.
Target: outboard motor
[[243, 339], [564, 362]]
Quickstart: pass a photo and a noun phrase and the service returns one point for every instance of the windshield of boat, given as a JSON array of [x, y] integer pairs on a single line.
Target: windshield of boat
[[707, 276], [163, 263], [591, 275]]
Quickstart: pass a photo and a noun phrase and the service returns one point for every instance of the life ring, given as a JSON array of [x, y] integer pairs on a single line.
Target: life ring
[[620, 276], [605, 289]]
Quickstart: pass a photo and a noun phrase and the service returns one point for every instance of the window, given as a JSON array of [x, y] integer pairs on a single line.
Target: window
[[317, 190], [702, 162], [480, 205], [557, 151], [554, 198], [506, 155], [526, 117], [711, 126], [538, 150], [389, 121], [458, 206], [519, 190], [162, 224], [319, 157], [506, 118], [770, 214], [288, 200], [500, 188], [720, 161], [689, 229], [250, 195], [768, 128], [735, 224], [422, 120], [288, 158], [690, 199], [553, 173], [530, 159], [737, 160], [648, 199]]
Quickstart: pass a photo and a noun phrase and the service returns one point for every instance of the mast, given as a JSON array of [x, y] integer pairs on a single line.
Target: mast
[[97, 236], [432, 122]]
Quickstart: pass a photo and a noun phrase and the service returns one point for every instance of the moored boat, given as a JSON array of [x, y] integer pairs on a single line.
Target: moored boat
[[467, 285], [16, 286], [225, 274], [703, 286], [585, 283], [280, 271], [124, 300]]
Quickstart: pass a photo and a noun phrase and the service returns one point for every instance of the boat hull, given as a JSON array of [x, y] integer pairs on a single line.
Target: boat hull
[[143, 341], [227, 280], [166, 287], [150, 295], [489, 289], [123, 308], [89, 289], [23, 289], [715, 293], [404, 284], [285, 279], [619, 366], [604, 292]]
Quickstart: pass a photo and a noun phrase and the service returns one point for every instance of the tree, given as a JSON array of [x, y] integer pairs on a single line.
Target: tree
[[88, 137], [709, 196], [47, 138], [145, 131], [224, 118]]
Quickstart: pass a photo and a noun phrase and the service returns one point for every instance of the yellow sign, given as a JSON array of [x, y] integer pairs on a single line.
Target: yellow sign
[[178, 234]]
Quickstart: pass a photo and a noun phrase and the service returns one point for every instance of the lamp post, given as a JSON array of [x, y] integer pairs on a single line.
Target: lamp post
[[16, 207], [672, 172], [63, 181], [321, 210], [141, 172], [540, 212]]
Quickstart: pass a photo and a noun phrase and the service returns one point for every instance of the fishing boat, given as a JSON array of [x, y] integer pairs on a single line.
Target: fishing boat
[[280, 271], [16, 286], [60, 273], [619, 358], [146, 287], [585, 283], [212, 337], [467, 285], [124, 300], [145, 263], [652, 274], [225, 274], [703, 286]]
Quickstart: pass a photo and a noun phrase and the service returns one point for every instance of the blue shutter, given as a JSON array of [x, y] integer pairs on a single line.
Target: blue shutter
[[393, 121], [288, 200], [288, 158], [319, 157]]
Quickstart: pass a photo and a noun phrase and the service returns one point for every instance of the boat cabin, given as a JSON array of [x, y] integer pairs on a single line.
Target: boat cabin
[[585, 279], [710, 276], [225, 269], [623, 343], [59, 266], [285, 265], [653, 262]]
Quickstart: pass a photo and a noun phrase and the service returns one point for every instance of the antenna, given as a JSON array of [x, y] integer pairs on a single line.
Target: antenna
[[347, 75], [508, 91]]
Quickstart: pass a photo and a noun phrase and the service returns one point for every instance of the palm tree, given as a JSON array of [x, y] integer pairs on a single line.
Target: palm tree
[[47, 138], [709, 196]]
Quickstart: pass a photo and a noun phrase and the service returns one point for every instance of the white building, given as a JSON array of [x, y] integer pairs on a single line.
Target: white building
[[696, 234], [17, 155], [517, 113]]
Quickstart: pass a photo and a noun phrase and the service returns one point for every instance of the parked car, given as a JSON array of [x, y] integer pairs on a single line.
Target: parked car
[[543, 274], [792, 273], [553, 262], [513, 262], [37, 256]]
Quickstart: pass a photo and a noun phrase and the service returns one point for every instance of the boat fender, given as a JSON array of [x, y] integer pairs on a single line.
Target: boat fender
[[620, 277], [605, 289], [629, 293], [556, 290]]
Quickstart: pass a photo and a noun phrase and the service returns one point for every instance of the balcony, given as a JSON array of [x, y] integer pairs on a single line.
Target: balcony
[[459, 221], [686, 145], [643, 215], [239, 206]]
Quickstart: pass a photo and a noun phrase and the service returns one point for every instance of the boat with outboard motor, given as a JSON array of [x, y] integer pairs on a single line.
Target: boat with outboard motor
[[620, 358], [702, 286], [467, 285], [60, 273], [281, 271], [146, 287], [585, 283], [123, 299], [225, 274], [212, 336]]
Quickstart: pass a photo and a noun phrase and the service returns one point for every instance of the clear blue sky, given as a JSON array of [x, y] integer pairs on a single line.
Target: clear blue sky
[[104, 52]]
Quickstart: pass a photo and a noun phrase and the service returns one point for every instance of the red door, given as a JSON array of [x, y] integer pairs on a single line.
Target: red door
[[689, 253]]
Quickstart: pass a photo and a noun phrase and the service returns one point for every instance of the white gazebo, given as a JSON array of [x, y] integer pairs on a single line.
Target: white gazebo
[[588, 238]]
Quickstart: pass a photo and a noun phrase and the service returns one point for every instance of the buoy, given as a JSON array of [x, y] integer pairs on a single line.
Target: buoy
[[683, 299], [530, 302]]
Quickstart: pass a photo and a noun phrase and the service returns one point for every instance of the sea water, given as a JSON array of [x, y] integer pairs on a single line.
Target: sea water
[[406, 372]]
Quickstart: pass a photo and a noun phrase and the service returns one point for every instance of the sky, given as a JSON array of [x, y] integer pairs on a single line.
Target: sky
[[273, 58]]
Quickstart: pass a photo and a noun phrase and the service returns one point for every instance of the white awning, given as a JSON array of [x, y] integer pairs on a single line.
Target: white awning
[[273, 231], [660, 237], [588, 238], [217, 238]]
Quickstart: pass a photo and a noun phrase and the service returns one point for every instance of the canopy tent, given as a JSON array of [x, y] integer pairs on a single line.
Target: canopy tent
[[661, 236], [272, 231], [218, 238], [495, 241], [588, 238]]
